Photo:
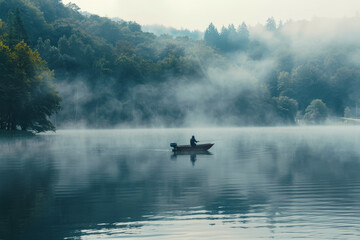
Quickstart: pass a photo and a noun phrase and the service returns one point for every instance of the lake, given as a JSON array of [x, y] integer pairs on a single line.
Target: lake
[[255, 183]]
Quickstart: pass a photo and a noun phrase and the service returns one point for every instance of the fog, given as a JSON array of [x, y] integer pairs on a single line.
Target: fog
[[237, 87], [160, 30], [75, 180], [279, 181], [197, 15]]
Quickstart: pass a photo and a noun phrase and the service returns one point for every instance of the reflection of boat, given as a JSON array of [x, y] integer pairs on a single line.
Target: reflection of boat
[[188, 148]]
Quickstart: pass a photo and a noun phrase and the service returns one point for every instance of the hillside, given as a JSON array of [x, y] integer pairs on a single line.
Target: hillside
[[111, 73]]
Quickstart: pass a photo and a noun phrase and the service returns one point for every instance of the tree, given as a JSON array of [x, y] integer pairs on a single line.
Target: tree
[[3, 34], [243, 31], [287, 108], [343, 87], [244, 36], [316, 112], [307, 83], [16, 28], [271, 24], [231, 39], [134, 27], [211, 36], [73, 6], [27, 96], [6, 89]]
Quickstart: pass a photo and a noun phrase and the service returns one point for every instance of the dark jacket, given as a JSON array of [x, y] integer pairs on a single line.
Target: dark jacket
[[193, 141]]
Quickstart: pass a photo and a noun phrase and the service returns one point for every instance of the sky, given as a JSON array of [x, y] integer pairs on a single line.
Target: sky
[[197, 14]]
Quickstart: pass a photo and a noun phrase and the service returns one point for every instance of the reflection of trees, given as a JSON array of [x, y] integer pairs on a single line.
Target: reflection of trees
[[284, 164], [314, 161], [99, 187], [325, 163], [26, 180], [57, 193]]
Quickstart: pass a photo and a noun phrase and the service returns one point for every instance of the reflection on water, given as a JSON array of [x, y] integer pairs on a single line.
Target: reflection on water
[[191, 154], [256, 183]]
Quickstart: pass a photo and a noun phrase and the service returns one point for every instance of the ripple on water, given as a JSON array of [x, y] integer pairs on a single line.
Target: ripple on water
[[258, 183]]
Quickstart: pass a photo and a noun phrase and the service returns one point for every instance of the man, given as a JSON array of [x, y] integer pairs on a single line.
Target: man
[[193, 141]]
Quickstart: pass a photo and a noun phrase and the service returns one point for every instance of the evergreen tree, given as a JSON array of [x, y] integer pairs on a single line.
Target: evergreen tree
[[212, 36], [243, 31], [244, 36], [271, 24], [16, 29]]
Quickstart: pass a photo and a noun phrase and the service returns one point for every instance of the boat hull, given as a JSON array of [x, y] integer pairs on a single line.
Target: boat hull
[[188, 148]]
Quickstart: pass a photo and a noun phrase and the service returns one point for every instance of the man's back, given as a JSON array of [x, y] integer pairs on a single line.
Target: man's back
[[193, 141]]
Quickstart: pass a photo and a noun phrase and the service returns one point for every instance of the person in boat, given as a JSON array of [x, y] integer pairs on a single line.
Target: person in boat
[[193, 141]]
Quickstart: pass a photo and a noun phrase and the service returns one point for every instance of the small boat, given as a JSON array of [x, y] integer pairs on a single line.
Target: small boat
[[188, 148], [193, 152]]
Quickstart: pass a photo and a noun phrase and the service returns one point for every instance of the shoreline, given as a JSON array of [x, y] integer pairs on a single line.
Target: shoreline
[[16, 133]]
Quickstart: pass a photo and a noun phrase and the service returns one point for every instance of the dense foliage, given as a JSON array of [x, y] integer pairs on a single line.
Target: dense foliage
[[326, 70], [316, 112], [27, 96], [112, 72]]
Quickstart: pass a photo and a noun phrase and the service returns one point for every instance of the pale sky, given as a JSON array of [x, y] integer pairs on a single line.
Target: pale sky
[[197, 14]]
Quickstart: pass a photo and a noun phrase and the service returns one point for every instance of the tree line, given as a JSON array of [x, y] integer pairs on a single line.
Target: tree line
[[27, 95], [328, 76], [112, 72]]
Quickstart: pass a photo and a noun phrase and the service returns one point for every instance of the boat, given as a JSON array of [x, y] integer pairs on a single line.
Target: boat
[[188, 148], [193, 152]]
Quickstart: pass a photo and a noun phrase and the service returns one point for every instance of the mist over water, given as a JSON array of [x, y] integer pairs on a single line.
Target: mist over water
[[255, 182]]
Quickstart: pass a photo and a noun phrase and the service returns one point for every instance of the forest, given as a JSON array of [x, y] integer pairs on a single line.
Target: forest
[[61, 67]]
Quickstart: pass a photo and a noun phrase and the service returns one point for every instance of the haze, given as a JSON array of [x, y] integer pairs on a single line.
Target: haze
[[198, 14]]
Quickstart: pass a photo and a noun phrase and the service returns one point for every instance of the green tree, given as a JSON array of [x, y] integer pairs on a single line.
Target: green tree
[[343, 86], [28, 97], [6, 85], [284, 84], [307, 83], [16, 28], [316, 112], [3, 34], [287, 108], [134, 27]]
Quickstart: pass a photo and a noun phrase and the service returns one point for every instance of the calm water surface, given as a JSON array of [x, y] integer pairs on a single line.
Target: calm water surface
[[256, 183]]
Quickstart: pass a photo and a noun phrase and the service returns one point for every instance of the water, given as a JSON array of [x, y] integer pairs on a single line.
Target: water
[[256, 183]]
